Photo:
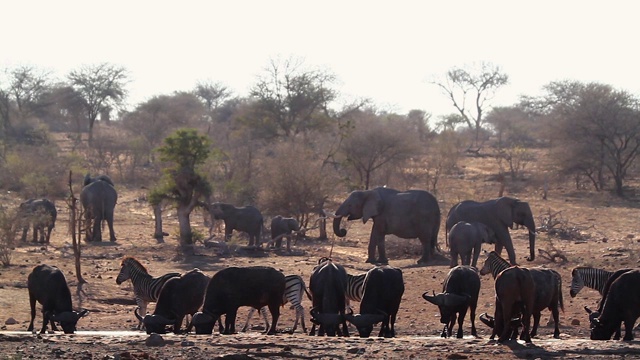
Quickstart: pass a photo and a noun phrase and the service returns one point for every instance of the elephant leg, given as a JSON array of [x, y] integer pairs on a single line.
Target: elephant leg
[[34, 237], [97, 229], [25, 230], [476, 253], [454, 259], [382, 252], [112, 234], [371, 250], [510, 252]]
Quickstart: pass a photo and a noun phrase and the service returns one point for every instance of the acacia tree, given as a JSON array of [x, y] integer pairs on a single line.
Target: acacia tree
[[291, 100], [181, 182], [598, 128], [101, 88], [212, 95], [471, 89], [376, 141]]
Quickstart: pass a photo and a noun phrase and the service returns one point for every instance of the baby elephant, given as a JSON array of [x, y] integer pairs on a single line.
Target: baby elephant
[[465, 237]]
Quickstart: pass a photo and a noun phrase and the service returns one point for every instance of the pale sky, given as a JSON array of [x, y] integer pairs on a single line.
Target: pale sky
[[383, 50]]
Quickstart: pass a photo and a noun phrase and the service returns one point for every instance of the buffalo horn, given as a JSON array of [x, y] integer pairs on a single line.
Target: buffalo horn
[[201, 318], [589, 311], [434, 299], [67, 316], [156, 319], [454, 300], [487, 320], [328, 318], [362, 320]]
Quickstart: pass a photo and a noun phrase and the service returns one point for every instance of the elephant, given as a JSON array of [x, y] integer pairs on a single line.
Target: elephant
[[465, 237], [499, 215], [246, 218], [98, 198], [406, 214], [282, 227], [41, 214]]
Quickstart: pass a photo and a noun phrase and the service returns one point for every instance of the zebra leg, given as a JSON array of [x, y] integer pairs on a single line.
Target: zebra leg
[[246, 324], [143, 311], [263, 311]]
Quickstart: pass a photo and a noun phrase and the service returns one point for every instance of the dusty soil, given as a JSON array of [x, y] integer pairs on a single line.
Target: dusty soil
[[605, 234]]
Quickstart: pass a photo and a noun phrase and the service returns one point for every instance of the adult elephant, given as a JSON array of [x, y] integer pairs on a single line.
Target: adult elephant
[[247, 219], [98, 198], [406, 214], [499, 215]]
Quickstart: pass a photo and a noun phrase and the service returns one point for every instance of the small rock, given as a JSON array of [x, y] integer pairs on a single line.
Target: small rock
[[154, 340], [187, 343], [457, 356], [575, 322], [10, 321]]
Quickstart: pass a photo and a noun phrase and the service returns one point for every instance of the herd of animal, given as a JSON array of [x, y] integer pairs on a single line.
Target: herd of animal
[[520, 292]]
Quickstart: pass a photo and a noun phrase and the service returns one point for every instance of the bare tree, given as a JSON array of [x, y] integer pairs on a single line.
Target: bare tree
[[471, 89], [101, 87], [291, 100], [376, 141]]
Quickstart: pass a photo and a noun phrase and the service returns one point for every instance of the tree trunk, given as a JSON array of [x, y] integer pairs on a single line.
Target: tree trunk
[[186, 237], [157, 214], [323, 225]]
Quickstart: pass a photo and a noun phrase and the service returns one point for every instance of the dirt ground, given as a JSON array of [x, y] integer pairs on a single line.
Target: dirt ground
[[605, 234]]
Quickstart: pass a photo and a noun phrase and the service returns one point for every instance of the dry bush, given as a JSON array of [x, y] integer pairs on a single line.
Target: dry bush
[[8, 235], [34, 171], [294, 183]]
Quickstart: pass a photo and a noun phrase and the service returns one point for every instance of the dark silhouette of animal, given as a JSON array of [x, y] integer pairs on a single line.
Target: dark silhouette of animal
[[459, 293], [327, 285], [605, 290], [180, 296], [48, 286], [383, 289], [622, 305], [499, 215], [515, 324], [146, 288], [407, 214], [590, 277], [294, 289], [98, 198], [247, 219], [41, 214], [548, 294], [515, 295], [233, 287]]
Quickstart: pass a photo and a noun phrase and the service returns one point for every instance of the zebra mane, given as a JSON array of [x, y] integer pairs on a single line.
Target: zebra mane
[[133, 262]]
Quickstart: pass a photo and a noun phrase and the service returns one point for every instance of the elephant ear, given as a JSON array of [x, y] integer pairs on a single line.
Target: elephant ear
[[505, 208], [372, 206]]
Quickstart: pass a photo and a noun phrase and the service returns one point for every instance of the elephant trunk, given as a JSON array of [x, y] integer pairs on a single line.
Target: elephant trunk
[[340, 232]]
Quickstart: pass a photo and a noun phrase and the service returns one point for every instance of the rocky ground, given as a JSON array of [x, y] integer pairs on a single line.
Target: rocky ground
[[603, 233]]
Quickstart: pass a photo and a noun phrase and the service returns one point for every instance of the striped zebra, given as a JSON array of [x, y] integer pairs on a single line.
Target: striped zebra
[[494, 264], [354, 290], [590, 277], [146, 288], [294, 289]]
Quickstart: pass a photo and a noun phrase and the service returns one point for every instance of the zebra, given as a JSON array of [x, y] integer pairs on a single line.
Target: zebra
[[294, 288], [590, 277], [494, 265], [146, 288], [354, 290]]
